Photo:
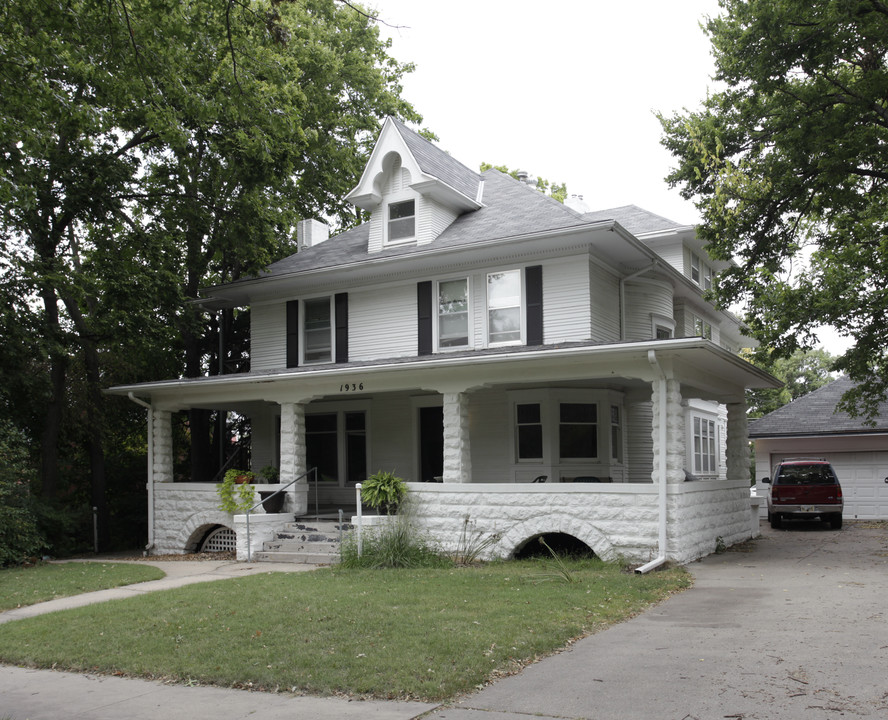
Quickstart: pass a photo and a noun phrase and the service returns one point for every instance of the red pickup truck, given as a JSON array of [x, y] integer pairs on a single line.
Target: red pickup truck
[[803, 489]]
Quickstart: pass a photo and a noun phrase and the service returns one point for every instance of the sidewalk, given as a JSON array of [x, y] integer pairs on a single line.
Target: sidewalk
[[178, 573]]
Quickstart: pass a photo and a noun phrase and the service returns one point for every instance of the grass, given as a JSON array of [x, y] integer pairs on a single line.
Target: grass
[[410, 633], [27, 586]]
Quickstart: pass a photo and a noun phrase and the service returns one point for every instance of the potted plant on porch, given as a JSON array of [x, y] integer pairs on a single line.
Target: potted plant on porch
[[235, 491], [384, 492]]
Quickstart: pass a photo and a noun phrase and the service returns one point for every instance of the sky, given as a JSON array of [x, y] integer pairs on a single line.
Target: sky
[[566, 90]]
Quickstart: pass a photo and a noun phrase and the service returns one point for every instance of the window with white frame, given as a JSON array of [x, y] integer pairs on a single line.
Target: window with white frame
[[453, 313], [704, 443], [401, 220], [702, 328], [529, 432], [504, 307], [578, 431], [701, 272], [317, 332]]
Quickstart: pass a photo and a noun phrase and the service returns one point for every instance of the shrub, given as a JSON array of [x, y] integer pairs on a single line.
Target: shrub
[[19, 537], [384, 492]]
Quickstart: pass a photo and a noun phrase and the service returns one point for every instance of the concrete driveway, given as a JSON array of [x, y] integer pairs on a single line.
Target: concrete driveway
[[791, 626]]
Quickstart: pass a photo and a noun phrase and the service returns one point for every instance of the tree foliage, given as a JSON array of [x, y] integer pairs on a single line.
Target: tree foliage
[[802, 372], [787, 165], [148, 148], [557, 191]]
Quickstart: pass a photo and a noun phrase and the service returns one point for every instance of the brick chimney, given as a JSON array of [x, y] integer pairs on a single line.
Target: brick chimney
[[310, 233]]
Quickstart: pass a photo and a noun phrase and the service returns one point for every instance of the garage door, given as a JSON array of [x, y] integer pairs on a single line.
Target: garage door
[[864, 487]]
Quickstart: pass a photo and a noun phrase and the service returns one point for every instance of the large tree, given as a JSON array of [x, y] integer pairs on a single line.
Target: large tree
[[788, 164], [801, 373], [148, 147]]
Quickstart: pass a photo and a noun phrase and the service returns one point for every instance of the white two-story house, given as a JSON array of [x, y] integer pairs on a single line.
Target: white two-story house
[[532, 367]]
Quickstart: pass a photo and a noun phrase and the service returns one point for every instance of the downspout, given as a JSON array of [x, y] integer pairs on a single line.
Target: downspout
[[150, 545], [661, 470], [623, 282]]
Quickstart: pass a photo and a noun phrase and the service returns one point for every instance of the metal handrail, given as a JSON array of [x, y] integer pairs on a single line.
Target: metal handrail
[[313, 470]]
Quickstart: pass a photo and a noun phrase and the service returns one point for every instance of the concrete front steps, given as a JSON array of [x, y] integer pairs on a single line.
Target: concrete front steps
[[313, 542]]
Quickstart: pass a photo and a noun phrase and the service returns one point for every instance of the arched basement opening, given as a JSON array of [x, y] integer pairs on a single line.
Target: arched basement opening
[[216, 538], [562, 544]]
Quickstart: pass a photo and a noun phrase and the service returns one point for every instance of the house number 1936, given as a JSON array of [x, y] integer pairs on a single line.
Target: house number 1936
[[351, 387]]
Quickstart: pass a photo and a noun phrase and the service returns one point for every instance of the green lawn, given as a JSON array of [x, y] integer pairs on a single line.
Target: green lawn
[[420, 634], [27, 586]]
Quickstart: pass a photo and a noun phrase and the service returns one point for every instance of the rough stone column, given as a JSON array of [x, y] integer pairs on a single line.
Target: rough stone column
[[162, 430], [675, 432], [457, 443], [737, 443], [293, 462]]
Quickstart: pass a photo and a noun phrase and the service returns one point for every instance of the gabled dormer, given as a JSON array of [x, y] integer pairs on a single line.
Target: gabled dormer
[[412, 189]]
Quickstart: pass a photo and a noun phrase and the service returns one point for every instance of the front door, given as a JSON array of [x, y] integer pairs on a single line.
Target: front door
[[431, 443]]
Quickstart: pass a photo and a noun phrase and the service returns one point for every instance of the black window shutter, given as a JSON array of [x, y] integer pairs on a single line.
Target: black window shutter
[[533, 278], [424, 308], [340, 309], [292, 333]]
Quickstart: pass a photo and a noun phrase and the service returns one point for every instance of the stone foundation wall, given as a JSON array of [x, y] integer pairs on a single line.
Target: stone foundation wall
[[618, 521], [184, 512]]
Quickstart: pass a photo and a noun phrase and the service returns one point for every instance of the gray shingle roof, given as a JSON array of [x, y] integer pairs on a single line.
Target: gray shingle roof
[[510, 208], [434, 161], [635, 219], [815, 414]]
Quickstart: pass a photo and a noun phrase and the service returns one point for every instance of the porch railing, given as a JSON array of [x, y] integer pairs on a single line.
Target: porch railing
[[313, 471]]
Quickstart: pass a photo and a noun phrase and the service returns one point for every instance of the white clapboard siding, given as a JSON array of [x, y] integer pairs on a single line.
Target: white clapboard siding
[[432, 219], [382, 323], [490, 424], [392, 437], [645, 299], [567, 316], [639, 442], [604, 301], [268, 336], [674, 254]]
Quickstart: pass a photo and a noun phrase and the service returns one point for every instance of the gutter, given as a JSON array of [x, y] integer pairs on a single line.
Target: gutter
[[150, 485], [661, 469]]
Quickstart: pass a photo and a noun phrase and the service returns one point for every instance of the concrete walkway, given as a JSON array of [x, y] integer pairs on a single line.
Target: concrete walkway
[[792, 626]]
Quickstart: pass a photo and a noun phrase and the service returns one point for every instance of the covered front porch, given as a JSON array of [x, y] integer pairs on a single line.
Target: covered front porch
[[605, 425]]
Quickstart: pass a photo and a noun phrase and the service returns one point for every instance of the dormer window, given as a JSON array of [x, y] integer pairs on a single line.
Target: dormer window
[[402, 220]]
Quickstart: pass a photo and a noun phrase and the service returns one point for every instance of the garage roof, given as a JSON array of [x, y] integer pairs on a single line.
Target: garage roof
[[815, 414]]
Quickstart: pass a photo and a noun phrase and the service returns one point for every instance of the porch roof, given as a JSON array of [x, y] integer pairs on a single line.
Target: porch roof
[[705, 369]]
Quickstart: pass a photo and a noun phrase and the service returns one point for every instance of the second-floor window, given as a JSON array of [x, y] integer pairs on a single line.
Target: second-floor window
[[401, 220], [702, 328], [504, 307], [453, 313], [317, 332], [701, 273]]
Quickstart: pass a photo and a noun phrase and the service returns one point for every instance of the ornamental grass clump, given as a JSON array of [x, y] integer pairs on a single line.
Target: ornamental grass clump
[[397, 544]]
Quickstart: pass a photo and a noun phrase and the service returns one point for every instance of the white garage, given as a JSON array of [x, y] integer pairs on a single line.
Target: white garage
[[810, 427]]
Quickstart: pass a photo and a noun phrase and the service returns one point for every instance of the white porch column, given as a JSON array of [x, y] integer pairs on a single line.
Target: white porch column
[[674, 436], [737, 443], [457, 443], [293, 462], [162, 446]]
